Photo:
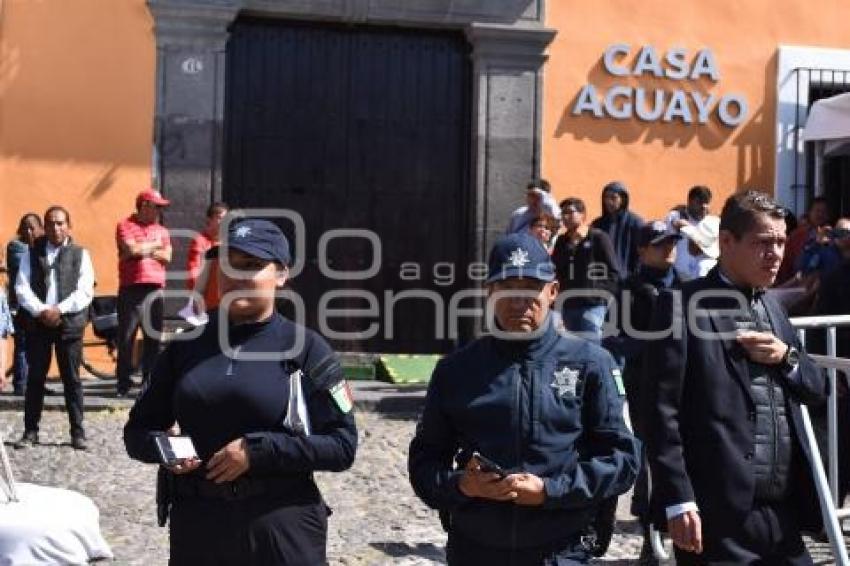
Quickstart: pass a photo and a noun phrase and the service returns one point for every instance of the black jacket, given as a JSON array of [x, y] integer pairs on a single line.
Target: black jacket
[[217, 398], [701, 414], [833, 299], [639, 299], [623, 228], [590, 264]]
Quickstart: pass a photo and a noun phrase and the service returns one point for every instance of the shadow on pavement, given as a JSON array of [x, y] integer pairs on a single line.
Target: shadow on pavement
[[403, 549]]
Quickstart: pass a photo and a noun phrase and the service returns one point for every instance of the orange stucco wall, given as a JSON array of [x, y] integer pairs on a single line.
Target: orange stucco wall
[[660, 161], [76, 115], [77, 100]]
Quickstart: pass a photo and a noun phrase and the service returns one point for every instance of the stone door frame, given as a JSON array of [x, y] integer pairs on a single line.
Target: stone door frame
[[508, 40]]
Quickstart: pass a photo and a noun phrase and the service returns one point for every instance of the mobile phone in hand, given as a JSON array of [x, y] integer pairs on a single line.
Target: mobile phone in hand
[[174, 449], [489, 466]]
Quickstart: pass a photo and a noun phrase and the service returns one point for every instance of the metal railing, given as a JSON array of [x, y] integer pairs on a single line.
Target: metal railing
[[7, 482], [826, 481]]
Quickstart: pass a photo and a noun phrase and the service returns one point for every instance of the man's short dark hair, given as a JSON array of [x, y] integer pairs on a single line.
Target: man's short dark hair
[[58, 208], [541, 184], [741, 209], [573, 202], [217, 207], [701, 193]]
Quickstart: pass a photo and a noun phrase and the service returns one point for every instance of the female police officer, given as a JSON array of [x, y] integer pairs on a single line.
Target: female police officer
[[249, 497]]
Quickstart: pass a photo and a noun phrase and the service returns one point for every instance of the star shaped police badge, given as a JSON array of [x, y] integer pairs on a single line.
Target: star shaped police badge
[[243, 231], [519, 257], [565, 381]]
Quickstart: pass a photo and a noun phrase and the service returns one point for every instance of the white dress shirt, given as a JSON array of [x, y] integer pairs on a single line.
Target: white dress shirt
[[78, 300]]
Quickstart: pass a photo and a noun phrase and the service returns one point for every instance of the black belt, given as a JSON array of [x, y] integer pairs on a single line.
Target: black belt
[[297, 489]]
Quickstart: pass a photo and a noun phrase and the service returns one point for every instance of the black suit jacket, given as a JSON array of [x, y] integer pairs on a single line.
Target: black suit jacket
[[700, 410]]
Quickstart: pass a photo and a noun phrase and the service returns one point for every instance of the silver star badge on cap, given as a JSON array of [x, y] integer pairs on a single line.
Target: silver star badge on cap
[[518, 258], [243, 231], [565, 381]]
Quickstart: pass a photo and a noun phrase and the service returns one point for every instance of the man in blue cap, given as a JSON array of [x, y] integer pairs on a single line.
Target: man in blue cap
[[265, 404], [522, 434]]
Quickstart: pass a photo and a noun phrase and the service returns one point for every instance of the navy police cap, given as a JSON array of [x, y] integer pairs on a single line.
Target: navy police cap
[[655, 232], [259, 238], [519, 255]]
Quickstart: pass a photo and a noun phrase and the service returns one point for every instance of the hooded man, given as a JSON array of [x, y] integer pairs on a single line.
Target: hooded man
[[621, 224]]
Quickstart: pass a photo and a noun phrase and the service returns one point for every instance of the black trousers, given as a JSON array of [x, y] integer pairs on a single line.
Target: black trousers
[[130, 301], [254, 531], [40, 345], [769, 536], [461, 551]]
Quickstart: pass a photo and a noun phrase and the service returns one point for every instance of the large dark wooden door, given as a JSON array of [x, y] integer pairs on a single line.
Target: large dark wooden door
[[358, 128]]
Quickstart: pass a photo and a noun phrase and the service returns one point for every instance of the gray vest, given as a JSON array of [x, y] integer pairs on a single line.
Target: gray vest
[[66, 265]]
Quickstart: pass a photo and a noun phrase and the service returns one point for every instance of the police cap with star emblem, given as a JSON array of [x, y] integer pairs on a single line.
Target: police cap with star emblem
[[519, 255], [259, 238], [655, 232]]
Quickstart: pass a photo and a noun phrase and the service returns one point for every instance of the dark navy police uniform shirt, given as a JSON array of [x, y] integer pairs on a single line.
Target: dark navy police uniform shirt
[[553, 407], [216, 399]]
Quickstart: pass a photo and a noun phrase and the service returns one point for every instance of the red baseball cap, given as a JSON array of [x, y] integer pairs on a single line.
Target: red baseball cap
[[152, 195]]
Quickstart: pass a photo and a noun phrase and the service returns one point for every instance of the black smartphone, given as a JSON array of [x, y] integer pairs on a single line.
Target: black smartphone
[[488, 465]]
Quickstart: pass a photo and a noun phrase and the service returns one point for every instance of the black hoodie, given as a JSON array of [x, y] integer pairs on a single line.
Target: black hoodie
[[623, 227]]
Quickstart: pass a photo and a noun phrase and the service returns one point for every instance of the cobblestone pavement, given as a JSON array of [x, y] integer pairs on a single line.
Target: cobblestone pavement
[[377, 519]]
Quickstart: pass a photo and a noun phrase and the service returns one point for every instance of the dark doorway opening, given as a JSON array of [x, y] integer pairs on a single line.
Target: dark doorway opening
[[358, 128], [835, 168]]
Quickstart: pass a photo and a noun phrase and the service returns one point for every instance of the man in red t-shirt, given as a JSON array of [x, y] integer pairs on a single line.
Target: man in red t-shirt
[[203, 279], [144, 250]]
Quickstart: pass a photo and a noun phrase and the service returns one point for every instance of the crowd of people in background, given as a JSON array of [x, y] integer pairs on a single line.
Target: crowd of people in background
[[49, 287], [603, 253]]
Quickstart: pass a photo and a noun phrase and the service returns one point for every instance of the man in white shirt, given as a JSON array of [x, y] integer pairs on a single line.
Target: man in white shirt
[[697, 252], [54, 286], [538, 200]]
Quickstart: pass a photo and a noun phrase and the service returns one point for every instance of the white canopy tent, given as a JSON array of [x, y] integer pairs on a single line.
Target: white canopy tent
[[828, 126], [829, 122], [46, 525]]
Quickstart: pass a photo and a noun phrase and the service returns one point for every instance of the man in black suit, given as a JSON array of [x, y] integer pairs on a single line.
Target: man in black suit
[[729, 460]]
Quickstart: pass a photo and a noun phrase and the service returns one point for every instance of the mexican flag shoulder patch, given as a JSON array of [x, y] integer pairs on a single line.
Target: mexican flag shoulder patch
[[341, 394], [618, 380]]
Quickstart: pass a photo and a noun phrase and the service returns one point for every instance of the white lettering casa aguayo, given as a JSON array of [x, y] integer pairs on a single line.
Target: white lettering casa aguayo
[[623, 102]]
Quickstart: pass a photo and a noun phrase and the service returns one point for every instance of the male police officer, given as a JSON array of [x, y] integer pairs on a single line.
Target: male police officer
[[657, 250], [544, 406]]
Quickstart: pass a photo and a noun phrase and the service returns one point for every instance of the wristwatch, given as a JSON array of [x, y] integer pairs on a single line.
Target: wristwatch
[[790, 360]]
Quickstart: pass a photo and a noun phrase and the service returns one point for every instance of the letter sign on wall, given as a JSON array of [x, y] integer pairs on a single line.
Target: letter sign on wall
[[622, 102]]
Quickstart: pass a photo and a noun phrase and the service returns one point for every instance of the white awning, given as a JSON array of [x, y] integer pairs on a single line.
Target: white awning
[[829, 119]]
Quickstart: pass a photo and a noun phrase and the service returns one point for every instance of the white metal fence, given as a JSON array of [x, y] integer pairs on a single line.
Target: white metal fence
[[827, 480]]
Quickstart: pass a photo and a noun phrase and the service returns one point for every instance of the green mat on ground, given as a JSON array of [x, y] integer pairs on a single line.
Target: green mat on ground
[[406, 368]]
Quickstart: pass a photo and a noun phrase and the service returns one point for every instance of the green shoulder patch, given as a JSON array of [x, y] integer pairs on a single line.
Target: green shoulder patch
[[618, 381], [341, 394]]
